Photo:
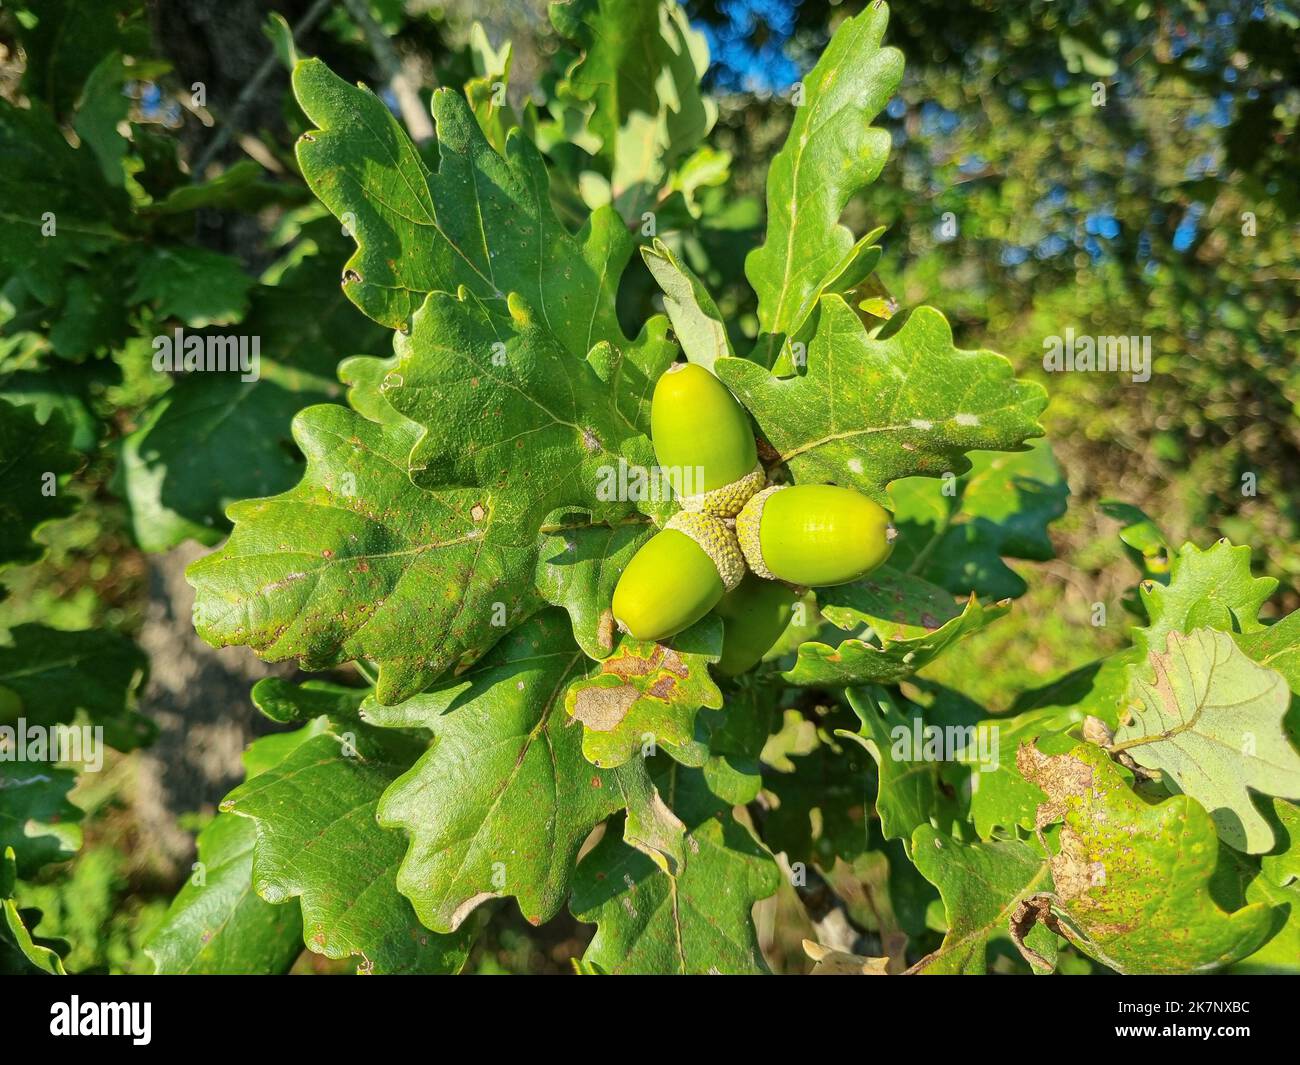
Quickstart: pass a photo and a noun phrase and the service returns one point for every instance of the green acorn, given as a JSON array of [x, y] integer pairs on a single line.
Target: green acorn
[[703, 439], [753, 617], [814, 534], [678, 576]]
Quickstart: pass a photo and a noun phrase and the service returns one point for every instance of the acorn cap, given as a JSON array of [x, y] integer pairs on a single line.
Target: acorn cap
[[748, 523], [715, 540], [728, 500]]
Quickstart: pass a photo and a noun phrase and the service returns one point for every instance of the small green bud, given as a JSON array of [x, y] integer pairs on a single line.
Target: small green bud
[[697, 425], [677, 577], [815, 535]]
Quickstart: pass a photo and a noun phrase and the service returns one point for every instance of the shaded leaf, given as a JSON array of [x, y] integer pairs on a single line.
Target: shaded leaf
[[480, 221], [956, 534], [237, 187], [737, 736], [909, 755], [44, 181], [982, 885], [699, 922], [357, 562], [285, 702], [18, 948], [220, 925], [214, 438], [577, 569], [38, 822], [318, 841], [910, 624], [102, 106], [92, 318], [197, 286], [824, 794], [54, 677], [68, 38], [501, 801], [55, 387], [35, 458]]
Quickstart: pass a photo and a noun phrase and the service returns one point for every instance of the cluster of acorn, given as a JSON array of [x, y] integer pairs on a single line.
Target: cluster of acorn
[[785, 536]]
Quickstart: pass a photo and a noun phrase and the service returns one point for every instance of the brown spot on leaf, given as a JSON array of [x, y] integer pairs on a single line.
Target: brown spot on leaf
[[663, 688], [605, 630], [1095, 730], [1063, 777], [477, 512], [674, 663], [1060, 776], [601, 709], [1037, 908], [1073, 872], [633, 665]]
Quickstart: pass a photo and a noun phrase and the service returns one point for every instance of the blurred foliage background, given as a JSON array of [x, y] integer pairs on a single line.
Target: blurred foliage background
[[1115, 167]]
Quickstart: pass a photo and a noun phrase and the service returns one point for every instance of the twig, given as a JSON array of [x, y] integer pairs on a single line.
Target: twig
[[418, 122], [250, 91]]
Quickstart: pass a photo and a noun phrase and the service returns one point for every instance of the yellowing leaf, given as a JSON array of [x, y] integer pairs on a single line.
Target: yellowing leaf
[[1132, 879]]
